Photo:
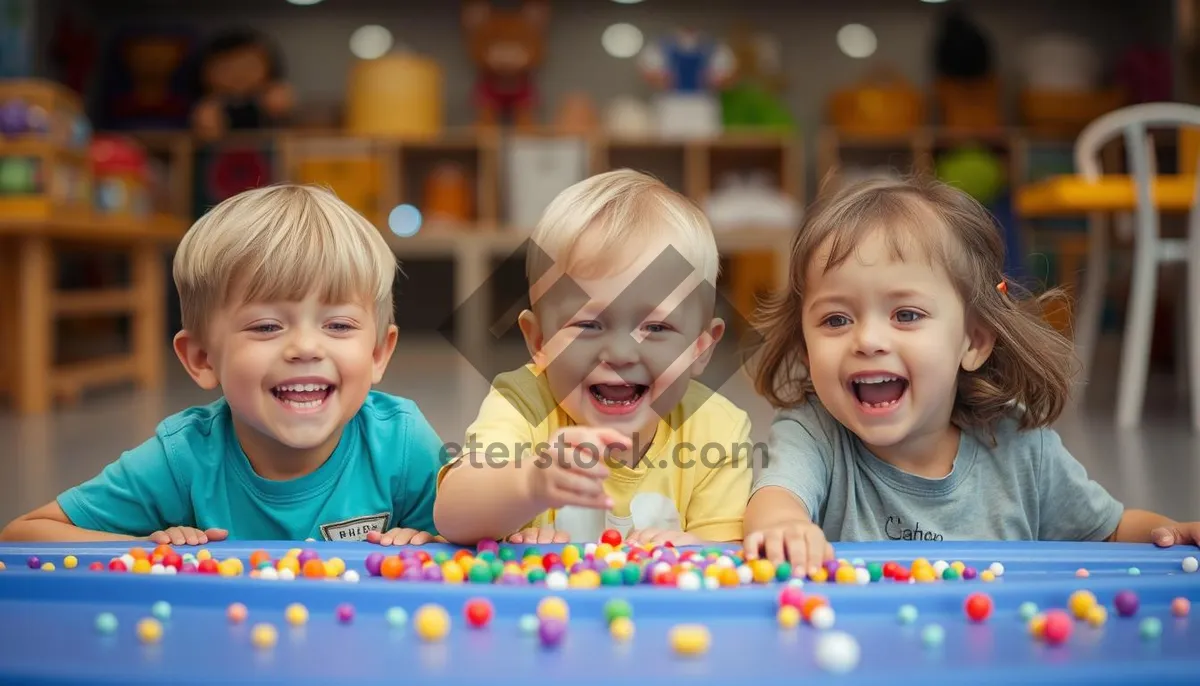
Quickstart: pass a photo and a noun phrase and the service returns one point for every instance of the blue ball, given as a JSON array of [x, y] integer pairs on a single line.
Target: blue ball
[[405, 221]]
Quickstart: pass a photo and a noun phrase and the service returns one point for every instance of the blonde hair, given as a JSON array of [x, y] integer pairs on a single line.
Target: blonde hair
[[1031, 367], [283, 242], [591, 221]]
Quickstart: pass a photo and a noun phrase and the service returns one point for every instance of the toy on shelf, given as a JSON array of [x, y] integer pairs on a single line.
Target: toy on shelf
[[243, 83], [749, 200], [44, 166], [628, 117], [447, 195], [1062, 91], [399, 95], [147, 82], [975, 170], [688, 68], [121, 176], [967, 88], [507, 47], [577, 115], [753, 101], [883, 103]]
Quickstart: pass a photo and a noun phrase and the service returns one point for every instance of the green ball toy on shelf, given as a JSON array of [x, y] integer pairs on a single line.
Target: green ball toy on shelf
[[978, 172], [747, 107]]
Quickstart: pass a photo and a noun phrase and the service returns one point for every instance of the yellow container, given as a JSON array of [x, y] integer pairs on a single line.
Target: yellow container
[[395, 96], [356, 180]]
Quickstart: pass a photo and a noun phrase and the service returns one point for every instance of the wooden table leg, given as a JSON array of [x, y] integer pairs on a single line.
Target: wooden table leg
[[35, 325], [149, 317]]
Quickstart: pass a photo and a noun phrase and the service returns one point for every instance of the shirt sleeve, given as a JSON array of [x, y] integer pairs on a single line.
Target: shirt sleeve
[[501, 432], [134, 496], [1072, 506], [413, 503], [718, 503], [796, 459]]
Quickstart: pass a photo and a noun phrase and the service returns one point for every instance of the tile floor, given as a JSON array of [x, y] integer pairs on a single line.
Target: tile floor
[[1157, 466]]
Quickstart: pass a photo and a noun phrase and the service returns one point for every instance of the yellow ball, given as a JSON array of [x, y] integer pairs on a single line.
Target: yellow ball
[[263, 636], [570, 555], [224, 568], [987, 576], [845, 575], [924, 575], [958, 567], [150, 630], [1081, 603], [1097, 615], [621, 629], [452, 573], [690, 639], [203, 555], [764, 571], [432, 622], [588, 578], [288, 563], [70, 562], [335, 567], [141, 566], [47, 566], [603, 550], [1037, 626], [819, 576], [2, 567], [789, 617], [553, 608], [293, 552], [296, 614]]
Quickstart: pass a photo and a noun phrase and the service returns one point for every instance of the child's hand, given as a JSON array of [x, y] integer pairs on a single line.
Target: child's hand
[[661, 537], [571, 470], [541, 535], [801, 543], [399, 536], [187, 535], [1178, 534]]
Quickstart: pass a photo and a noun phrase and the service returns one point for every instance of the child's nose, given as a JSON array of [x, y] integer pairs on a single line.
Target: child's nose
[[870, 338], [619, 349], [304, 345]]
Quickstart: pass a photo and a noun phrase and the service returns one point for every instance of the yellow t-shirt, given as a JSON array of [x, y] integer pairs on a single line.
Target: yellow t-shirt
[[695, 478]]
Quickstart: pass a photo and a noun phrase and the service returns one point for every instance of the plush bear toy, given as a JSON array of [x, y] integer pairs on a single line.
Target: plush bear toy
[[506, 46], [241, 80]]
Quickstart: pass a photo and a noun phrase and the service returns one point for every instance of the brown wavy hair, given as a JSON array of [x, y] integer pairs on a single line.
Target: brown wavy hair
[[1032, 366]]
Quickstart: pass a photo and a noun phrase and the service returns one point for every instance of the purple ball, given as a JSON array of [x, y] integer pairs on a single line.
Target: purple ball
[[432, 573], [307, 555], [511, 580], [551, 631], [831, 566], [486, 545], [188, 568], [13, 117], [411, 574], [34, 562], [969, 573], [374, 560], [1126, 603], [669, 556], [345, 613]]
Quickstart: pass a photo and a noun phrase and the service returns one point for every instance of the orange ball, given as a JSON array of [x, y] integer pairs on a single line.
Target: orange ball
[[163, 550], [314, 569], [811, 602], [288, 563], [391, 567], [139, 553], [258, 557], [729, 577]]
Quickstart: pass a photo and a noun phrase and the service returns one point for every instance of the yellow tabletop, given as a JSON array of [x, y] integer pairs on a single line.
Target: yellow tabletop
[[1072, 195]]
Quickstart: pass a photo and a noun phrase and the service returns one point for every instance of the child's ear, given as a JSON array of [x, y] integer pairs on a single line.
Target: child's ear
[[706, 344], [383, 353], [979, 344], [192, 354], [531, 331]]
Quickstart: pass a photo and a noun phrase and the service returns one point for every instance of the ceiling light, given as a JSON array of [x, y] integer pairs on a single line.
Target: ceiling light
[[371, 41], [857, 41], [622, 40]]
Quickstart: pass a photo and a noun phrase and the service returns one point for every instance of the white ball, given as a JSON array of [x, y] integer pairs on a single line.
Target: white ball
[[724, 561], [268, 574], [660, 568], [157, 568], [170, 570], [862, 576], [589, 549], [939, 567], [688, 581], [822, 617], [796, 581], [310, 540], [557, 581], [837, 652], [287, 574], [745, 575], [128, 560], [997, 569], [350, 576], [1190, 564], [711, 583], [615, 558]]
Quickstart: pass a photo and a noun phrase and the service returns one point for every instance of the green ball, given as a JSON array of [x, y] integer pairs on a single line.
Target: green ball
[[876, 571], [106, 622], [497, 567], [907, 614], [783, 572], [441, 557], [611, 577], [1027, 610], [528, 624], [508, 554], [486, 556], [161, 610], [531, 551], [950, 574], [480, 573], [397, 617], [1134, 571], [16, 175], [933, 635], [617, 607], [535, 575], [1151, 628], [974, 170], [631, 574]]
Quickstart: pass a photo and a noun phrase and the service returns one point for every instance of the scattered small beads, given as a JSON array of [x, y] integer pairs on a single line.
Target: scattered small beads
[[1190, 564], [1027, 611], [106, 622], [264, 636], [933, 635], [1150, 628], [1126, 603], [150, 630], [1097, 616], [478, 612], [1180, 607], [1081, 603], [1082, 573], [396, 617], [822, 617], [553, 607], [432, 622], [161, 610], [69, 562], [1134, 571], [690, 639], [621, 629], [345, 613], [978, 607], [528, 624], [296, 614], [907, 614], [837, 652], [1057, 627], [551, 631], [788, 617], [237, 613]]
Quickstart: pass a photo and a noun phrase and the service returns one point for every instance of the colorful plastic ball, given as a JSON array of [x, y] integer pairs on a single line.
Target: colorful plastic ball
[[616, 608], [933, 635], [987, 576], [792, 595], [1180, 607], [34, 562], [396, 617], [350, 576], [106, 622], [264, 636], [1082, 573], [1190, 564], [996, 569], [150, 630], [1126, 603], [237, 613], [978, 607], [94, 567], [296, 614], [345, 613], [70, 562], [611, 537], [1150, 628], [553, 607], [788, 616], [621, 629], [1097, 616], [432, 622], [1057, 627], [528, 624], [1037, 626], [690, 639], [1134, 571], [950, 574], [161, 610], [907, 614], [970, 573], [478, 612], [551, 631], [1027, 610], [837, 652], [1080, 603], [822, 617], [47, 566]]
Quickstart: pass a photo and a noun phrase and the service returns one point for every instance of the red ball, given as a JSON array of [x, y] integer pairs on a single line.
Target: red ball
[[478, 612], [345, 613], [979, 606], [889, 569], [423, 556], [792, 595], [208, 566], [901, 575], [549, 560], [611, 537], [172, 560], [116, 565], [1058, 626], [635, 555], [96, 566]]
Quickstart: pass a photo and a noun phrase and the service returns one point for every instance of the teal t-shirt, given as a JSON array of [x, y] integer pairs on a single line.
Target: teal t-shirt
[[193, 472]]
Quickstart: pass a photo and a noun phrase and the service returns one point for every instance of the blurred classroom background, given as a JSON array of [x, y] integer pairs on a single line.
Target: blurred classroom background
[[122, 121]]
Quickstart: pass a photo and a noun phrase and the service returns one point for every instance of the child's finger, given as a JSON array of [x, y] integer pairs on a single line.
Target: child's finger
[[159, 537], [578, 485], [561, 537], [175, 536], [546, 535], [421, 538], [518, 537], [397, 537], [752, 544], [216, 534], [774, 548]]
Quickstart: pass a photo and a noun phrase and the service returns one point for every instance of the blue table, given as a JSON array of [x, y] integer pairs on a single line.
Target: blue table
[[49, 634]]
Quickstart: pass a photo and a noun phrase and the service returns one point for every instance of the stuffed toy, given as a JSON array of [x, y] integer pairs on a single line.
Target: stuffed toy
[[507, 46], [242, 86]]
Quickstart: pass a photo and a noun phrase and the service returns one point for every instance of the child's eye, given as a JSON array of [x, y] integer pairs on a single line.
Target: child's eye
[[657, 328], [341, 326], [586, 325], [265, 328], [836, 321], [908, 316]]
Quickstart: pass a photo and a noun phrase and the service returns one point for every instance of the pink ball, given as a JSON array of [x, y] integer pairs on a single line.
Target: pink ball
[[1180, 607], [792, 595], [345, 613], [1058, 627]]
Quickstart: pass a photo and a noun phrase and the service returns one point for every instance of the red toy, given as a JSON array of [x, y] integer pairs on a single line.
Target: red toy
[[979, 607], [478, 612], [506, 46], [611, 537]]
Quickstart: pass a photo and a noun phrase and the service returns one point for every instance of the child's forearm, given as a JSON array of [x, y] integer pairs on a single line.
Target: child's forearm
[[772, 506], [1136, 525], [478, 501], [46, 530]]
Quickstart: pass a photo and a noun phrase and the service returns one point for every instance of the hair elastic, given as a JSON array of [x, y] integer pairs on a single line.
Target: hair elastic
[[1002, 287]]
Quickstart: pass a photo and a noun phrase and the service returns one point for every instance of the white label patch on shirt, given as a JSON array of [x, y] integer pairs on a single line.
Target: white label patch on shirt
[[355, 529]]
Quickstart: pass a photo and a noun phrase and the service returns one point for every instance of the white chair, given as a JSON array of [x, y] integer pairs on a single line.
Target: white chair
[[1150, 250]]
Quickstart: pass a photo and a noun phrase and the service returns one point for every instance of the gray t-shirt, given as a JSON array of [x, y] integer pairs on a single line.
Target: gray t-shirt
[[1026, 487]]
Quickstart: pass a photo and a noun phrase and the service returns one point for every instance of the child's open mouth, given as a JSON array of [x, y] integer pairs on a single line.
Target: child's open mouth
[[617, 398], [879, 391], [303, 396]]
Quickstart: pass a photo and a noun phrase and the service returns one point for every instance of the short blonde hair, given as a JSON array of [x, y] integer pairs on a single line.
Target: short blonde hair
[[590, 222], [283, 242]]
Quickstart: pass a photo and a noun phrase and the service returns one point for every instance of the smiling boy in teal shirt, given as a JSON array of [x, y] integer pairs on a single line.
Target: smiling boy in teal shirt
[[286, 297]]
